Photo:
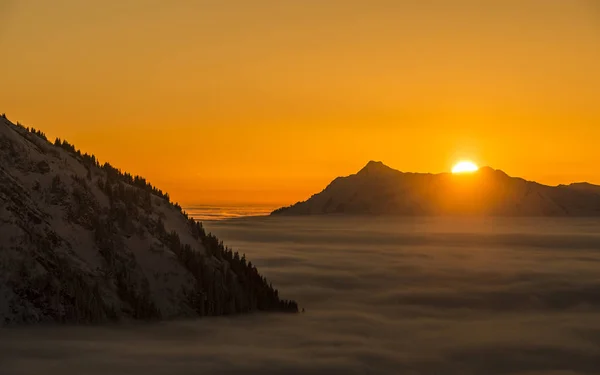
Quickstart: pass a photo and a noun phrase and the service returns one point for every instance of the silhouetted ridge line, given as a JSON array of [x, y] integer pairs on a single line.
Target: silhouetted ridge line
[[380, 190]]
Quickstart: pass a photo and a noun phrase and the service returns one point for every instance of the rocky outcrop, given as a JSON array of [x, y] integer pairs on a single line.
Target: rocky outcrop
[[82, 242]]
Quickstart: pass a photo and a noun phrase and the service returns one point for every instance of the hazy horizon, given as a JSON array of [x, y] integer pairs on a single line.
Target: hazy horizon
[[208, 212], [230, 210]]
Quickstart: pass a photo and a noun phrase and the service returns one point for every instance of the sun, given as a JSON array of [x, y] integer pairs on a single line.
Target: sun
[[464, 167]]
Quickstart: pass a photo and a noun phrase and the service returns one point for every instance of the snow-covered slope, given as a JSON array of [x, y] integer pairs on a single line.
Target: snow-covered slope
[[81, 242], [379, 189]]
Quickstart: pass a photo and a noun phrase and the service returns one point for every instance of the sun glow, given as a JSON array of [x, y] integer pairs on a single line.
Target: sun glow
[[464, 167]]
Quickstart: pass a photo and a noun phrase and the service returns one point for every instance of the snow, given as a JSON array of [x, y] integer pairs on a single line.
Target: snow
[[168, 280]]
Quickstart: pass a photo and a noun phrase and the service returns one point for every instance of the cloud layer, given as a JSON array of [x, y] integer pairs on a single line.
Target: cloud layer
[[410, 296]]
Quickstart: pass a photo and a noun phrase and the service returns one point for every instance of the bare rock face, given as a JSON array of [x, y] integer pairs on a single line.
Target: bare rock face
[[380, 190], [82, 242]]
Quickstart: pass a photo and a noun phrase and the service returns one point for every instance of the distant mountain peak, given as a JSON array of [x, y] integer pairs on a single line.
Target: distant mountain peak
[[379, 189], [375, 166]]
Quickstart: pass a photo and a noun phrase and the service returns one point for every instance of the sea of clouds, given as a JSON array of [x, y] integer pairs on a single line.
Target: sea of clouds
[[382, 296]]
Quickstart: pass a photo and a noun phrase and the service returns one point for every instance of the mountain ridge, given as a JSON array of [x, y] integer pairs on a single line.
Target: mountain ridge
[[379, 189], [82, 242]]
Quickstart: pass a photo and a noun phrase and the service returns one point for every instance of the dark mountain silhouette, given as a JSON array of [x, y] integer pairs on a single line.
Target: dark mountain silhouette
[[379, 189], [82, 242]]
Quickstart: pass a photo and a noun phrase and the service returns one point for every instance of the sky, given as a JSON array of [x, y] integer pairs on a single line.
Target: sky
[[265, 102]]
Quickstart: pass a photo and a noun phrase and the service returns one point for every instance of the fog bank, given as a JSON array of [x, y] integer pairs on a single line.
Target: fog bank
[[411, 296]]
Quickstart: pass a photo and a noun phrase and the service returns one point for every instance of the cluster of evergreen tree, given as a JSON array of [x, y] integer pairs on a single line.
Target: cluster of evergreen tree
[[32, 130], [120, 265], [261, 293], [73, 299], [91, 161], [112, 172], [39, 133], [210, 299]]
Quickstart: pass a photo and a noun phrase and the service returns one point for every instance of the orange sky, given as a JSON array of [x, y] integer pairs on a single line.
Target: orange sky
[[266, 101]]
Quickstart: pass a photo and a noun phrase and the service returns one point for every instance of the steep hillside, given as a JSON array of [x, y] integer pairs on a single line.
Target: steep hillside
[[379, 189], [82, 242]]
